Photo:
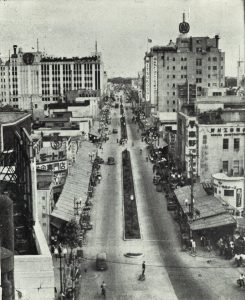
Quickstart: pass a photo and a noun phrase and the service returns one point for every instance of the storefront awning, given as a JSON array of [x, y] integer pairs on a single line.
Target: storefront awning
[[93, 132], [213, 222], [76, 185], [208, 211]]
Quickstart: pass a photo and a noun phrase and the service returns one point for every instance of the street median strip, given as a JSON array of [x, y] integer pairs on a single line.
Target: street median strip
[[131, 222]]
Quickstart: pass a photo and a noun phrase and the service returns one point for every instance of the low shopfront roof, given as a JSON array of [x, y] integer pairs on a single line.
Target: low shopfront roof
[[76, 185], [212, 222], [209, 211]]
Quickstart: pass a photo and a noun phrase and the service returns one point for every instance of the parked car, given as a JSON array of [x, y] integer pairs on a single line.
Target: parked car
[[111, 160], [171, 205], [87, 208], [99, 160], [156, 179], [86, 211], [87, 226], [114, 130]]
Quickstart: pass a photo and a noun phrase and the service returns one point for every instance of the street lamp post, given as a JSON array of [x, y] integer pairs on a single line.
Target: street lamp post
[[77, 203]]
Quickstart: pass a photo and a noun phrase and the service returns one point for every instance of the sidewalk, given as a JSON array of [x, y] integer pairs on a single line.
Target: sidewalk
[[216, 274]]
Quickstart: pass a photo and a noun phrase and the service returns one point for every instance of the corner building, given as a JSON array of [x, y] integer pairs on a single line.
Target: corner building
[[214, 135], [29, 80], [190, 60]]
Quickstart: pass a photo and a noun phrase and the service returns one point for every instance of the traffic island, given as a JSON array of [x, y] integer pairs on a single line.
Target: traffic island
[[124, 135], [133, 255], [131, 222]]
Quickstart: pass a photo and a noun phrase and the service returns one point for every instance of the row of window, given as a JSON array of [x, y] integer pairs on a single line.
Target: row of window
[[235, 166], [55, 78], [229, 193], [236, 144], [65, 72], [199, 71], [182, 58], [173, 102]]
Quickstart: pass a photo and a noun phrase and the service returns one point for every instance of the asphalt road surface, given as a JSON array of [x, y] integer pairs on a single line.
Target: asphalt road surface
[[170, 274]]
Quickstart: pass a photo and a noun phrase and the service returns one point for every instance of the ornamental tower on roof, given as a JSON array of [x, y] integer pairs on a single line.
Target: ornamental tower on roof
[[194, 62]]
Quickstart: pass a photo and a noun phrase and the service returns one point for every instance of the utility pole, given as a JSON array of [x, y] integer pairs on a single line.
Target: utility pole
[[192, 196]]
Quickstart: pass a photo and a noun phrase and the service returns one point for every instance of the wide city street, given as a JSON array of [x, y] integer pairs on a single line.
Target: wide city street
[[170, 273]]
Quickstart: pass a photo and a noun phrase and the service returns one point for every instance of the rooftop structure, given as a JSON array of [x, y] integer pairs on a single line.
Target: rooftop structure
[[209, 211], [212, 137], [194, 61], [31, 79]]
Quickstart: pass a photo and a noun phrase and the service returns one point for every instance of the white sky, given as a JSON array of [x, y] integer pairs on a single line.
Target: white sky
[[121, 27]]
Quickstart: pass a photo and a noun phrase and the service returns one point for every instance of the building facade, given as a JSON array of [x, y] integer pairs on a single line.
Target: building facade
[[210, 142], [195, 61], [231, 190], [29, 80]]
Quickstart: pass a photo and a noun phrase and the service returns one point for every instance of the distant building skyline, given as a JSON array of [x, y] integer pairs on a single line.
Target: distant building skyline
[[121, 28], [30, 80]]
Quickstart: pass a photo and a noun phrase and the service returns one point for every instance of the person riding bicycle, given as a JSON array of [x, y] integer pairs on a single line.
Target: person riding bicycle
[[140, 151]]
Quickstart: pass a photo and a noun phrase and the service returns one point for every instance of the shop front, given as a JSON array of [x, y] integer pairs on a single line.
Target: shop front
[[231, 190]]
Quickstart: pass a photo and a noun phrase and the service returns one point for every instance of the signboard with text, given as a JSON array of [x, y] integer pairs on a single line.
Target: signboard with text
[[53, 166]]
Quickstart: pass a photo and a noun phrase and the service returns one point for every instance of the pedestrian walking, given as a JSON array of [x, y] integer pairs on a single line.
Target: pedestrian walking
[[103, 287], [202, 241], [237, 259], [193, 247], [241, 279], [52, 249], [56, 252], [64, 252], [60, 249], [143, 268]]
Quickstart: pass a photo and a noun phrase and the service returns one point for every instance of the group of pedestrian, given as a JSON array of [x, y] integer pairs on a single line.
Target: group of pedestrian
[[226, 247], [239, 258], [58, 250]]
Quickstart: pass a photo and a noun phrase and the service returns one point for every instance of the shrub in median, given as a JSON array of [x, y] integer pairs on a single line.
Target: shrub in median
[[131, 222]]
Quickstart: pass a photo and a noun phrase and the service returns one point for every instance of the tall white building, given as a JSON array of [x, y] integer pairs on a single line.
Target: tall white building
[[29, 80], [196, 62]]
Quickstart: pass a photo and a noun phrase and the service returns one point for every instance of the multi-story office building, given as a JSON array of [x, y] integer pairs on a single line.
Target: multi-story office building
[[211, 138], [29, 80], [190, 61]]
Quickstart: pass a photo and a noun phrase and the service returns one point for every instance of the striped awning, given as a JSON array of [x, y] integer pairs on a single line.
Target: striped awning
[[76, 185]]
